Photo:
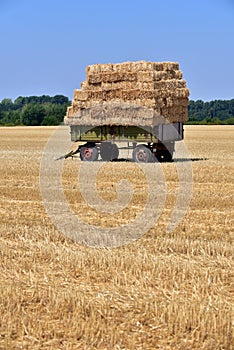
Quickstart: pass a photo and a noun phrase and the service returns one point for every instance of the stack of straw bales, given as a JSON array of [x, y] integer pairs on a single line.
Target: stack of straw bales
[[130, 93]]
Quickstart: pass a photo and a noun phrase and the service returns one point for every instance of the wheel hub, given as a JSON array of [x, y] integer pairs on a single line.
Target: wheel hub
[[88, 153]]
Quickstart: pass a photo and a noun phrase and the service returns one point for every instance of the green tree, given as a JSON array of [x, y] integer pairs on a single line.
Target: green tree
[[229, 121], [1, 117], [6, 105], [11, 118], [33, 114], [60, 99], [56, 110], [20, 102], [50, 120]]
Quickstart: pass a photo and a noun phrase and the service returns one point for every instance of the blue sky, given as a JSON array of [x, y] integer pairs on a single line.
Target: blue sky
[[47, 44]]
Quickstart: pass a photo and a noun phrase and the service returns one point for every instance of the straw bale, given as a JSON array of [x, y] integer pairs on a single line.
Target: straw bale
[[175, 113], [161, 75], [91, 87], [80, 95], [146, 94], [184, 101], [181, 93], [170, 84], [80, 104], [175, 74], [150, 76], [148, 103], [93, 69], [169, 113], [145, 76], [94, 103], [142, 66], [119, 85], [69, 110], [118, 67], [137, 94], [163, 93], [106, 67], [76, 109], [122, 76], [98, 94], [154, 66], [123, 67], [98, 68], [84, 85], [129, 95], [171, 66], [169, 74], [111, 77], [158, 66], [144, 85], [169, 102], [160, 102], [114, 94], [125, 85], [106, 86], [94, 78], [159, 85]]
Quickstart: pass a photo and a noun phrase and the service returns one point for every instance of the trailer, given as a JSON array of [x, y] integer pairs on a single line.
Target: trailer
[[139, 106], [147, 144]]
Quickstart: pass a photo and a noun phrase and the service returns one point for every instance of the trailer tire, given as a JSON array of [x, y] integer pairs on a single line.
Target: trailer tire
[[164, 156], [88, 153], [109, 151], [142, 154]]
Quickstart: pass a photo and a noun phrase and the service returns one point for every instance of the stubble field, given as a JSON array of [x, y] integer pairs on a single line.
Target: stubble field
[[163, 291]]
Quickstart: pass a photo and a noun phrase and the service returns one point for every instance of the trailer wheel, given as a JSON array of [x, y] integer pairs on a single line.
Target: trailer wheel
[[142, 154], [164, 156], [88, 153], [109, 151]]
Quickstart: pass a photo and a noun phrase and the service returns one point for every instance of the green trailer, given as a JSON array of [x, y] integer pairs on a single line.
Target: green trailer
[[147, 143]]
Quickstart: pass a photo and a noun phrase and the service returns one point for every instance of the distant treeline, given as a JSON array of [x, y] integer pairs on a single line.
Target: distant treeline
[[46, 110], [213, 112], [34, 110]]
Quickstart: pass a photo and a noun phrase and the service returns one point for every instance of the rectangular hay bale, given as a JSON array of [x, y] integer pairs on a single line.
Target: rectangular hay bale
[[111, 77], [80, 95]]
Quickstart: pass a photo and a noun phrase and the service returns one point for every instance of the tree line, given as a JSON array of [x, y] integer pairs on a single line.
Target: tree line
[[213, 112], [47, 110], [34, 110]]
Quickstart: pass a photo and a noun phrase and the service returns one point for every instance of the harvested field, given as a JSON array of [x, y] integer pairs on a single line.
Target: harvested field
[[163, 291]]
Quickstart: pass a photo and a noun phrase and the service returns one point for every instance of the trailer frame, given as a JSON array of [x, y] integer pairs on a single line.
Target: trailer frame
[[148, 143]]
